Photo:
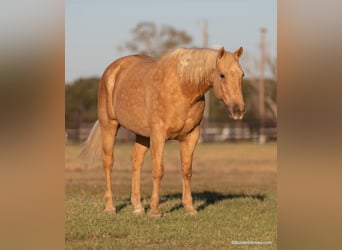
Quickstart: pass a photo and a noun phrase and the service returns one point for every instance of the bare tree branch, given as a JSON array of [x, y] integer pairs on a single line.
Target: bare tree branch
[[150, 40]]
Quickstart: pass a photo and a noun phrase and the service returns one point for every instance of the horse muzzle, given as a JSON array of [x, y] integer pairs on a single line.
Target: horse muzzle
[[237, 112]]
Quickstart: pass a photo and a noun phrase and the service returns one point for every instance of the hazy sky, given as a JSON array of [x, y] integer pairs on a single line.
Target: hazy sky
[[95, 28]]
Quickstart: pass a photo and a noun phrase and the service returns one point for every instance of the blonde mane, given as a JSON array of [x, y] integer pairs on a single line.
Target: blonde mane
[[194, 66]]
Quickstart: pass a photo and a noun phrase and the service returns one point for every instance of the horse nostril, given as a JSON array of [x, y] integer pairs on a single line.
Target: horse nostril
[[236, 109]]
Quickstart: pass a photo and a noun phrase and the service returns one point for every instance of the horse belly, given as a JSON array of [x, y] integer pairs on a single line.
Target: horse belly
[[136, 125]]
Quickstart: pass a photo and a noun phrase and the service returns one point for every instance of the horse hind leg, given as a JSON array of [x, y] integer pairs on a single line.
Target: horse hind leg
[[141, 146], [108, 132]]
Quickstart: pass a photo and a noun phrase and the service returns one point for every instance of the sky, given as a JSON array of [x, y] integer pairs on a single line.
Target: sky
[[95, 28]]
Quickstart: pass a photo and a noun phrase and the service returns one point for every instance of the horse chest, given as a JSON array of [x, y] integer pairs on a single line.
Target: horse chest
[[187, 122]]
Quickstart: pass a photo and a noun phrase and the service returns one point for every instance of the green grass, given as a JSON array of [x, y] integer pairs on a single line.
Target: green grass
[[234, 191]]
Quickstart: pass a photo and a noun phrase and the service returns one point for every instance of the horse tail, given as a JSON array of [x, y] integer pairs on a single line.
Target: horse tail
[[109, 94], [91, 147]]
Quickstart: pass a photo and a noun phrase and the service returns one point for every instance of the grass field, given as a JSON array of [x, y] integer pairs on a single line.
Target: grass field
[[234, 191]]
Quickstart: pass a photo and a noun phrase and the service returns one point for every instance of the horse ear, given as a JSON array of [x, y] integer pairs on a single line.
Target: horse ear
[[220, 53], [238, 53]]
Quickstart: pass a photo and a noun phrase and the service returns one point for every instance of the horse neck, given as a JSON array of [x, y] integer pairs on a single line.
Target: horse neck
[[204, 87], [194, 93], [204, 79]]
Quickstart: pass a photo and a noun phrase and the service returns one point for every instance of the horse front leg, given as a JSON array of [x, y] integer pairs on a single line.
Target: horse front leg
[[157, 150], [188, 145], [141, 146]]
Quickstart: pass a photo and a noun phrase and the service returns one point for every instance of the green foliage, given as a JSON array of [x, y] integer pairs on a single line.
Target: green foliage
[[81, 102]]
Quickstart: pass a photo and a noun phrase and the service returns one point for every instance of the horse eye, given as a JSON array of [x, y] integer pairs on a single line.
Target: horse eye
[[243, 74], [222, 75]]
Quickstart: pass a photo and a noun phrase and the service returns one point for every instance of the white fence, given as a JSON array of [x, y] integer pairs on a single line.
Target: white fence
[[217, 132]]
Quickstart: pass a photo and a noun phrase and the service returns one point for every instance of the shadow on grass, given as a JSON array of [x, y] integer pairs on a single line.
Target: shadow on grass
[[206, 197], [209, 198], [126, 202]]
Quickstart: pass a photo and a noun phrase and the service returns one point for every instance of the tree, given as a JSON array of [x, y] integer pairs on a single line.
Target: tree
[[270, 86], [150, 40], [81, 102]]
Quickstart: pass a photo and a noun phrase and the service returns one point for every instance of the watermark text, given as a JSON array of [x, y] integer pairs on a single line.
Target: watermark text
[[235, 242]]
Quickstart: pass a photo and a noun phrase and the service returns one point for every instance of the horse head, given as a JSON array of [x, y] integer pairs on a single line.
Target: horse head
[[227, 82]]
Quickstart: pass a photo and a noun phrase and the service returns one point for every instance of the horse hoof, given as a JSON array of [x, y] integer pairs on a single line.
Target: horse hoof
[[191, 211], [139, 211], [155, 215], [110, 210]]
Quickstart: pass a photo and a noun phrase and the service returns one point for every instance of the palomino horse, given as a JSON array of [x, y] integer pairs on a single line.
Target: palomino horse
[[161, 99]]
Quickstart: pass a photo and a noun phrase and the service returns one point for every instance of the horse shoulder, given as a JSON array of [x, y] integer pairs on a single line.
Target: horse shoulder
[[195, 113]]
